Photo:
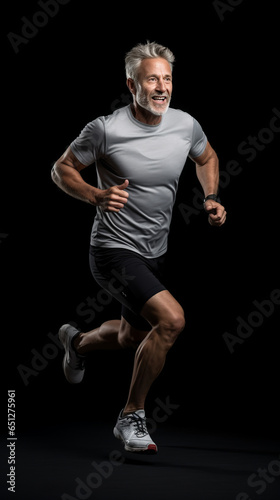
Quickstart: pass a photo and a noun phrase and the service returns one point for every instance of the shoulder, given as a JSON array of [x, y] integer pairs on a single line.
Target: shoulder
[[180, 116], [119, 114], [179, 121], [101, 121], [94, 127]]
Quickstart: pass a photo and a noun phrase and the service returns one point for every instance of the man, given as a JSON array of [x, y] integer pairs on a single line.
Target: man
[[139, 152]]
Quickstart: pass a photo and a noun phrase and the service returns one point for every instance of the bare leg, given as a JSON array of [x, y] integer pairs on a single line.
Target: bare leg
[[103, 337], [114, 334], [167, 316]]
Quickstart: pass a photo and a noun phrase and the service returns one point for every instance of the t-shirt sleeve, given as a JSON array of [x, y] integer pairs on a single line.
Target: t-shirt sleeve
[[88, 146], [199, 140]]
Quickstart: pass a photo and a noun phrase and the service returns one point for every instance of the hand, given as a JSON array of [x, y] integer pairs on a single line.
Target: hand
[[114, 198], [216, 211]]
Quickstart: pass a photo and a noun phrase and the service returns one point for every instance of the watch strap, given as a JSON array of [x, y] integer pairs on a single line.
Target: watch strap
[[214, 197]]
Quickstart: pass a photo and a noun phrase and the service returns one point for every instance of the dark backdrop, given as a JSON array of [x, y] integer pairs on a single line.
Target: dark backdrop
[[70, 70]]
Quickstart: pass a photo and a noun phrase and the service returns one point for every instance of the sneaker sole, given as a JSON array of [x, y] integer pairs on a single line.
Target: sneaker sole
[[151, 449]]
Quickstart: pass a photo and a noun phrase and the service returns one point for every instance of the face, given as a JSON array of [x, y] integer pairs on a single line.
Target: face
[[153, 88]]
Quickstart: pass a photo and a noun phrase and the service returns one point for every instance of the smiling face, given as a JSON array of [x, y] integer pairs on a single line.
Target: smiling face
[[153, 88]]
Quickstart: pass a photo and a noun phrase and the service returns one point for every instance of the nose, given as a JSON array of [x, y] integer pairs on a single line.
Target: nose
[[161, 86]]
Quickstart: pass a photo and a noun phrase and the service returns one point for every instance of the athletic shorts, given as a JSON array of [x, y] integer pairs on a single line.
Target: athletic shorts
[[129, 278]]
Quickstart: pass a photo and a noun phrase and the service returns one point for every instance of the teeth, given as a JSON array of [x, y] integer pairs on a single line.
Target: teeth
[[159, 98]]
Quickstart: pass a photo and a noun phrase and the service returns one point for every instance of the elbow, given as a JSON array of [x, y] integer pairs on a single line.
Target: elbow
[[55, 173]]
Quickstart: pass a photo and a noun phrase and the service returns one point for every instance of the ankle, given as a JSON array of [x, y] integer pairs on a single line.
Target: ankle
[[131, 409]]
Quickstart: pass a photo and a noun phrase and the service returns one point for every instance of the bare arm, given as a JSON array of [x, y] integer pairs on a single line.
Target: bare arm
[[66, 175], [207, 171]]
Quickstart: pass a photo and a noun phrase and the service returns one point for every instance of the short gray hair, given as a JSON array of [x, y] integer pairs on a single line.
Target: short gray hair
[[150, 50]]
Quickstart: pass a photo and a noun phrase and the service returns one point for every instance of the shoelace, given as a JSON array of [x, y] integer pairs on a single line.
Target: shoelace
[[139, 424]]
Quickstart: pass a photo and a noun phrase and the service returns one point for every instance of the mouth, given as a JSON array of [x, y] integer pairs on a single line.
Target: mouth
[[160, 99]]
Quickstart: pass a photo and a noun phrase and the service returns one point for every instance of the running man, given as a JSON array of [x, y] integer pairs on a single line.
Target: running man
[[139, 152]]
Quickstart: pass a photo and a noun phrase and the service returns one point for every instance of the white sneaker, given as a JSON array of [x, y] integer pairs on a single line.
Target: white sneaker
[[73, 364], [132, 430]]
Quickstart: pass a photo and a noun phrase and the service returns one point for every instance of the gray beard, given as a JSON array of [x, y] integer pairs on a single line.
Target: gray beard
[[143, 101]]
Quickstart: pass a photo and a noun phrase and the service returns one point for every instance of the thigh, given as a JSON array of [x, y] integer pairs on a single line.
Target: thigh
[[127, 276]]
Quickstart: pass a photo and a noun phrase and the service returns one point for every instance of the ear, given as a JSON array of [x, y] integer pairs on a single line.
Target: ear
[[131, 85]]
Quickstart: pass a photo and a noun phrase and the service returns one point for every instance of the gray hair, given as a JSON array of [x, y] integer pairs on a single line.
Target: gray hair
[[150, 50]]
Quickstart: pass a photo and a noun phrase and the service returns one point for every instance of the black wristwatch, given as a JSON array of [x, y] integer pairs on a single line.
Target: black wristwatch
[[214, 197]]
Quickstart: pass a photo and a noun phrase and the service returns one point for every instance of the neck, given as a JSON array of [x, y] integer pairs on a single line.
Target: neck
[[144, 116]]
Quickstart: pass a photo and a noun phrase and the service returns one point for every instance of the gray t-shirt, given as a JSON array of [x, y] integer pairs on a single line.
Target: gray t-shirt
[[152, 158]]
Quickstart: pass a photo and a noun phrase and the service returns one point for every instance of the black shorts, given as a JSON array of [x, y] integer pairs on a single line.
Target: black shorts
[[129, 278]]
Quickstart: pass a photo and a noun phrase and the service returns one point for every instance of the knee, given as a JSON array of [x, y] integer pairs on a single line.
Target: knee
[[175, 319], [181, 323], [172, 325]]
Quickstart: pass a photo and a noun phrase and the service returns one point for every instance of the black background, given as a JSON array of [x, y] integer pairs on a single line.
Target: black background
[[72, 71]]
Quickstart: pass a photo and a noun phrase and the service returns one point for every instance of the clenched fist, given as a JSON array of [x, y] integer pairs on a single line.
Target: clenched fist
[[216, 211], [112, 199]]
